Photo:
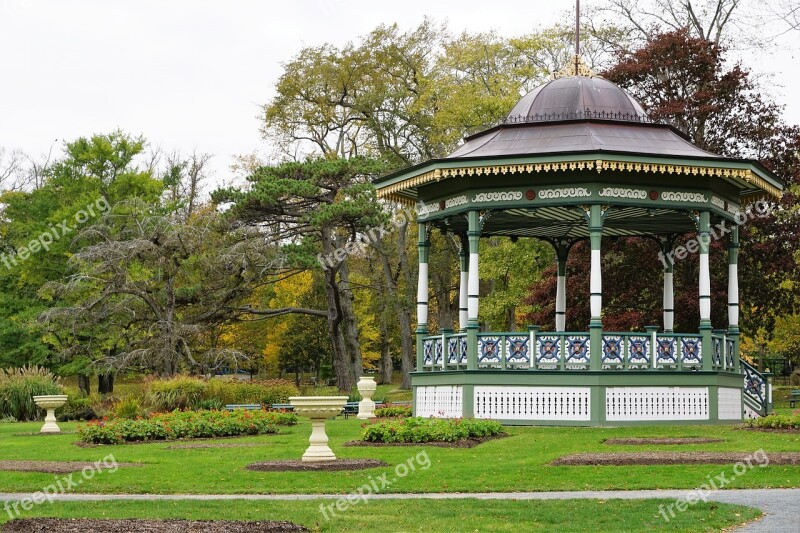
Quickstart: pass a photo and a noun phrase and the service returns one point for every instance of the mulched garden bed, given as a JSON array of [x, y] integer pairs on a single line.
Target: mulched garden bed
[[82, 525], [662, 440], [328, 466], [671, 458], [51, 467], [464, 443]]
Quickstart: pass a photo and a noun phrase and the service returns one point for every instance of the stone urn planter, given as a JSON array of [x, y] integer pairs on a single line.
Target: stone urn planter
[[318, 409], [50, 403], [366, 407]]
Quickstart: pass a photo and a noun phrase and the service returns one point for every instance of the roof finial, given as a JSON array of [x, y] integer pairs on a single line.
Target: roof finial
[[577, 33], [578, 67]]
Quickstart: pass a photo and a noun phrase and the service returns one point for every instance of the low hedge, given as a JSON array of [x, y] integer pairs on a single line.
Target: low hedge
[[184, 425], [791, 421], [184, 392], [394, 411], [430, 430]]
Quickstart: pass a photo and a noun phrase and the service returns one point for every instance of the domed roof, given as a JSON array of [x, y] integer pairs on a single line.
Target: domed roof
[[577, 97]]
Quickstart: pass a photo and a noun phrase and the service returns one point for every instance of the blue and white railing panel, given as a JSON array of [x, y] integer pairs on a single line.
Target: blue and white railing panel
[[517, 350], [691, 351], [548, 351], [757, 394], [639, 352], [489, 350], [438, 351], [613, 351], [427, 352], [577, 351], [667, 351]]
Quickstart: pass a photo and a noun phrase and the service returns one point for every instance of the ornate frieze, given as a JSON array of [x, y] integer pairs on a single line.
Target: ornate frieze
[[717, 201], [680, 196], [504, 196], [455, 201], [621, 192], [566, 192]]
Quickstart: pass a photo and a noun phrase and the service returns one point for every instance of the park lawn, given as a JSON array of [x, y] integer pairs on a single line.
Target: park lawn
[[516, 463], [427, 515]]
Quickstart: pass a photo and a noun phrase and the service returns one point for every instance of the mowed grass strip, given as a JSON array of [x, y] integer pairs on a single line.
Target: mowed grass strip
[[519, 462], [428, 515]]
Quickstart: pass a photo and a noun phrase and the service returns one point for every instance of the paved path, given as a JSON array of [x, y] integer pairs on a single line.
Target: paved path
[[781, 506]]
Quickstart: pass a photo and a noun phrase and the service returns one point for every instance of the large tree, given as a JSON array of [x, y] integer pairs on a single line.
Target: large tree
[[316, 211]]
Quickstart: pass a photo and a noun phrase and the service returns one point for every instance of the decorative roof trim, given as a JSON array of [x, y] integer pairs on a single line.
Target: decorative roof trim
[[576, 67], [439, 174]]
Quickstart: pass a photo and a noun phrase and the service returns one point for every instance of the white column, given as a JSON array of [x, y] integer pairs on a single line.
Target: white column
[[473, 286], [561, 285], [705, 288], [422, 294], [596, 285], [669, 303], [463, 294]]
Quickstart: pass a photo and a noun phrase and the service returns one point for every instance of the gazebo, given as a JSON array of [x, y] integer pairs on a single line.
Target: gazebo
[[578, 158]]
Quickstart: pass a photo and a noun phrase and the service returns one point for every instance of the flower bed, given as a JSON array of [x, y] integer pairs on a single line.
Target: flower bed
[[791, 421], [430, 430], [394, 411], [184, 425]]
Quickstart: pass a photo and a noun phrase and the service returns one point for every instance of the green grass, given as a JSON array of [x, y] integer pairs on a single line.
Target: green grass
[[430, 515], [517, 463]]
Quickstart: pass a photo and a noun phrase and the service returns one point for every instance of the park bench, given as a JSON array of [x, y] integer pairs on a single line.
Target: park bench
[[351, 408], [284, 406], [248, 406], [794, 396]]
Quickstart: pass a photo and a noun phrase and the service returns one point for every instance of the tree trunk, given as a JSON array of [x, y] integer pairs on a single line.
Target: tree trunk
[[84, 385], [105, 383], [341, 367], [350, 322], [386, 354]]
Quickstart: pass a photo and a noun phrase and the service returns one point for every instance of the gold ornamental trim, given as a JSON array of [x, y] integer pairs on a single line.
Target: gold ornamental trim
[[599, 165]]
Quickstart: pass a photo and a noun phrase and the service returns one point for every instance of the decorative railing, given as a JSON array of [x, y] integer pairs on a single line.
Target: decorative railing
[[757, 391], [536, 350]]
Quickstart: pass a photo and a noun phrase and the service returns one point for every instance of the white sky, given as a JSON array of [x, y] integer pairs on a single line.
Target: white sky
[[191, 74]]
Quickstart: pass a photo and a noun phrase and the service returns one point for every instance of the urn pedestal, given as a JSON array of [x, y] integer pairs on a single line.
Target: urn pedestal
[[50, 404], [366, 407], [318, 409]]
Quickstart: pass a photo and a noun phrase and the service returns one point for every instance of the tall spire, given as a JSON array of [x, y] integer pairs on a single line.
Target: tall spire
[[578, 67], [577, 31]]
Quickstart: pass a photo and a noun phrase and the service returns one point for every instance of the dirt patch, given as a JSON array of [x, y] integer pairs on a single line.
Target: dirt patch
[[51, 467], [215, 445], [322, 466], [464, 443], [81, 525], [635, 441], [672, 458]]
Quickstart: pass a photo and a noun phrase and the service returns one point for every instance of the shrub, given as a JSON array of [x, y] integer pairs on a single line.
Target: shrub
[[430, 430], [127, 408], [791, 421], [265, 392], [184, 425], [180, 392], [394, 411], [78, 407], [18, 387]]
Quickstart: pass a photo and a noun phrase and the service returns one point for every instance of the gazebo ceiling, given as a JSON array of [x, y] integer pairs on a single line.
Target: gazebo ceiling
[[569, 222], [571, 125]]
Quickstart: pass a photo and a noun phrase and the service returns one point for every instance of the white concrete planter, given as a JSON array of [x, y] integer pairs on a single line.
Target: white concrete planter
[[50, 403], [318, 409], [366, 407]]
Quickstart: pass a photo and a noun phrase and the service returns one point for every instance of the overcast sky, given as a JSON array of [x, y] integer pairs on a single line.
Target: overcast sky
[[191, 74]]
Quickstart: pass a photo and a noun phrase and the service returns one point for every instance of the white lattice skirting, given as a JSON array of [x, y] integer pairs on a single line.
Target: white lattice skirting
[[532, 403], [729, 403], [656, 403], [442, 401]]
